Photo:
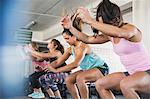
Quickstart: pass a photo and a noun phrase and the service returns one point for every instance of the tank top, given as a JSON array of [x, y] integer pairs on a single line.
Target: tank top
[[133, 55], [90, 60]]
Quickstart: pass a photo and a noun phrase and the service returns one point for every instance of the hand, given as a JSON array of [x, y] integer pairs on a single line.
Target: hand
[[50, 68], [66, 22], [46, 70], [84, 14]]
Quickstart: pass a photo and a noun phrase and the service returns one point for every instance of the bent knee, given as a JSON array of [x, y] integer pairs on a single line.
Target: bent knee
[[99, 83], [124, 85], [69, 80], [80, 79]]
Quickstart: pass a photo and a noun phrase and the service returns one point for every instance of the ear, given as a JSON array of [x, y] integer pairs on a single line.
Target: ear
[[56, 46]]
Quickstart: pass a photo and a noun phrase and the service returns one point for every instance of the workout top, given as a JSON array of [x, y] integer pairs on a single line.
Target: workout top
[[90, 61], [45, 62], [132, 55]]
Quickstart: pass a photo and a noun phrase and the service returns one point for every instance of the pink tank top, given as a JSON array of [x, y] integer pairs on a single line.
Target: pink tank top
[[41, 64], [132, 55]]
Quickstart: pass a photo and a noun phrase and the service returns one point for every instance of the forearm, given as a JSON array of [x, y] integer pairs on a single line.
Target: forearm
[[79, 35], [55, 64], [67, 68], [37, 54], [107, 29], [40, 54]]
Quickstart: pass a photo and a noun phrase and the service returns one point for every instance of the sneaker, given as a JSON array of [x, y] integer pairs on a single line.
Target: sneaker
[[32, 94], [38, 95]]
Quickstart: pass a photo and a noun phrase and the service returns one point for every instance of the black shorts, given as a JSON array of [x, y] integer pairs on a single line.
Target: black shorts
[[127, 74], [148, 71], [104, 69]]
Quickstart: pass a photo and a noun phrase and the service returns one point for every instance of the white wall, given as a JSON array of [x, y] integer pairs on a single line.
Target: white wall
[[141, 18]]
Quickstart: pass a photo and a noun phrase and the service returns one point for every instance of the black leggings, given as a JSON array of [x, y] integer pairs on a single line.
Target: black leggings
[[34, 79]]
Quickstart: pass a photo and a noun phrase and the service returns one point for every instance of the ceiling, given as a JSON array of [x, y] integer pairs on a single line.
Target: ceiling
[[46, 13], [39, 15]]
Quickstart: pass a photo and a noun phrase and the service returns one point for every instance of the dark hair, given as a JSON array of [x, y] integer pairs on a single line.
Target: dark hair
[[59, 45], [77, 23], [110, 13], [66, 31]]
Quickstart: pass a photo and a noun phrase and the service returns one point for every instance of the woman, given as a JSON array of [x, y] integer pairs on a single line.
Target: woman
[[49, 80], [126, 40], [92, 66], [39, 63]]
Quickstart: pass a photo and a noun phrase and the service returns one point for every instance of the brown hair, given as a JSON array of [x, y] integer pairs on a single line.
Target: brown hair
[[35, 46], [77, 23], [59, 45], [110, 13]]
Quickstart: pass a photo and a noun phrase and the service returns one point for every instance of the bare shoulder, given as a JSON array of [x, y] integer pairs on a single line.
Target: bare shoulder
[[130, 27], [85, 47], [134, 31]]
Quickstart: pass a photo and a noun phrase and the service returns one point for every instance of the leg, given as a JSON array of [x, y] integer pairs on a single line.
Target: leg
[[57, 94], [50, 92], [87, 76], [139, 81], [70, 81], [111, 81], [34, 79]]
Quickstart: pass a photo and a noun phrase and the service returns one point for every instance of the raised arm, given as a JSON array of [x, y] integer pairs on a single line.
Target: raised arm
[[67, 23], [89, 39], [124, 32]]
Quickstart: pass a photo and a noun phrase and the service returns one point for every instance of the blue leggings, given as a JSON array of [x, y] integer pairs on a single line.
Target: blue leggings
[[50, 80]]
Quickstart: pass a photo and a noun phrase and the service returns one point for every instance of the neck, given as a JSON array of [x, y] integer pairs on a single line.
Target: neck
[[52, 50], [77, 43]]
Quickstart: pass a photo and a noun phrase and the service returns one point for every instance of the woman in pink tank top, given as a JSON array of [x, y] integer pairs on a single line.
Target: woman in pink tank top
[[126, 40]]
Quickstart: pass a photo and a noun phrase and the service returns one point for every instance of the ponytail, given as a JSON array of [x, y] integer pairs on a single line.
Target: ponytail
[[109, 12]]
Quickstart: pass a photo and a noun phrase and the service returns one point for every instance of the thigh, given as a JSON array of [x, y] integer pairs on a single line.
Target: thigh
[[72, 77], [140, 81], [90, 75], [111, 81]]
